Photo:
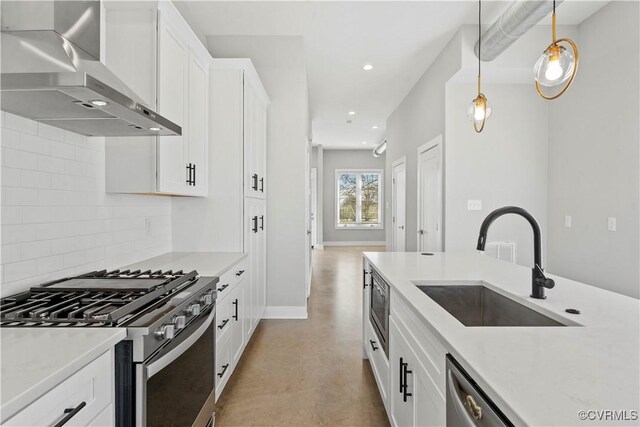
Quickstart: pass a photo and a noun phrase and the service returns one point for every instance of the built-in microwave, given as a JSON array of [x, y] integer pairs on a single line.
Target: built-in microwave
[[379, 309]]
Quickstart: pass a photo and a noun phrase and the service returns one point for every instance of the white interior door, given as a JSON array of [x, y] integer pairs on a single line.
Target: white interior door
[[399, 200], [314, 207], [430, 195]]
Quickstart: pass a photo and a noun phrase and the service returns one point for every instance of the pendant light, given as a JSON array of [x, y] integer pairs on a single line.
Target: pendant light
[[557, 66], [479, 109]]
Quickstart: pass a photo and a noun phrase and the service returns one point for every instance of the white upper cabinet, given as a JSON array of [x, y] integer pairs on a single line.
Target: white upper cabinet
[[162, 48]]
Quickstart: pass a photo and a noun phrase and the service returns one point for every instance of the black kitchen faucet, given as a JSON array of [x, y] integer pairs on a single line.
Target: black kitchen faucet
[[538, 280]]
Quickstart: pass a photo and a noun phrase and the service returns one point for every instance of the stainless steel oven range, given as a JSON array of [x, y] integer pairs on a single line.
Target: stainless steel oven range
[[379, 310], [165, 366]]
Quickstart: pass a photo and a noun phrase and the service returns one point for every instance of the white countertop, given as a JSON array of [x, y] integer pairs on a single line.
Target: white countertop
[[536, 375], [206, 263], [34, 360]]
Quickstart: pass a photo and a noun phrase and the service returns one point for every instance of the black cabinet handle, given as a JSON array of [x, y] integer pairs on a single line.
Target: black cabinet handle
[[254, 186], [262, 185], [373, 345], [261, 222], [404, 371], [239, 273], [188, 173], [255, 224], [70, 413], [224, 369], [193, 181], [364, 278], [235, 316], [225, 286], [223, 324]]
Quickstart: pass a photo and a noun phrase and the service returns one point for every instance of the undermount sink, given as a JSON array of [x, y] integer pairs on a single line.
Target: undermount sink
[[477, 305]]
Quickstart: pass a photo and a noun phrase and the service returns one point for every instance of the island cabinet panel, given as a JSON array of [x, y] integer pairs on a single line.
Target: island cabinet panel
[[88, 393], [414, 398]]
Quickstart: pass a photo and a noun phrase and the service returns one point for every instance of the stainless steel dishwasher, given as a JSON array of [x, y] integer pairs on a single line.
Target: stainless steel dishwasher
[[467, 404]]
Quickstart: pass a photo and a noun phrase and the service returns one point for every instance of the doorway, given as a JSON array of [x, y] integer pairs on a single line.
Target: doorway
[[314, 207], [399, 202], [430, 196]]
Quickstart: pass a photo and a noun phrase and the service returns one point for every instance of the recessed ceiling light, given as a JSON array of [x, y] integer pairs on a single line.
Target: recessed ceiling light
[[374, 127], [154, 129], [98, 102], [367, 67], [352, 113], [364, 142], [349, 121]]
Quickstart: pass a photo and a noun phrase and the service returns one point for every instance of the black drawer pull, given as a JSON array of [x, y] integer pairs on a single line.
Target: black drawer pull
[[224, 369], [373, 345], [254, 178], [255, 224], [235, 316], [239, 273], [262, 185], [223, 287], [70, 413], [261, 222], [223, 324]]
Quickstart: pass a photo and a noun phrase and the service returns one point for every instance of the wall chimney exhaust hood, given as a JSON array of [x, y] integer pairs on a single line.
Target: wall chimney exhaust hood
[[51, 72]]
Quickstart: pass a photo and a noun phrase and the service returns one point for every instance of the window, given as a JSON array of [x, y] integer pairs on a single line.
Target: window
[[358, 199]]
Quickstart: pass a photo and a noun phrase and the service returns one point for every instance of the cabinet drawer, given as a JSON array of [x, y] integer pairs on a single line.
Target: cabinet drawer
[[92, 385], [223, 317], [231, 277], [223, 362], [379, 362]]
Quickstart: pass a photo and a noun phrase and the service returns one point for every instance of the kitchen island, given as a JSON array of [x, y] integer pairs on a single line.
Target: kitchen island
[[535, 375]]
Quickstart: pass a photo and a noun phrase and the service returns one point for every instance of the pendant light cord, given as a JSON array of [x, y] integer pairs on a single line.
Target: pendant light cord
[[480, 34]]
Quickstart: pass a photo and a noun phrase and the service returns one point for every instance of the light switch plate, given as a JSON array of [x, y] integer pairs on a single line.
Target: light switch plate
[[567, 221], [611, 224], [474, 205]]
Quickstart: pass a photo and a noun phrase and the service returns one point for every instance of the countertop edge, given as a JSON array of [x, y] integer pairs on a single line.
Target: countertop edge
[[15, 405]]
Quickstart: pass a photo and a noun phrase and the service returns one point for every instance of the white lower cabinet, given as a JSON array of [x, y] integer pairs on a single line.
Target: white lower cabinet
[[414, 399], [232, 317], [85, 399]]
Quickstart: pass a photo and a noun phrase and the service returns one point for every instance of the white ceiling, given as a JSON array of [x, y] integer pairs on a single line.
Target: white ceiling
[[400, 39]]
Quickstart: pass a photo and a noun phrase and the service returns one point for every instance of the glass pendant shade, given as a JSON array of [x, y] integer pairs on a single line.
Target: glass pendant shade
[[478, 111], [555, 66]]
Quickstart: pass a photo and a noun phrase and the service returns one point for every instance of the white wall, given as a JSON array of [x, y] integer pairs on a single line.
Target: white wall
[[419, 118], [280, 64], [594, 156], [56, 218], [345, 159], [504, 165]]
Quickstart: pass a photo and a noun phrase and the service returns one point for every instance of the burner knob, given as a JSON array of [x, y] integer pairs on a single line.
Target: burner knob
[[207, 298], [193, 309], [165, 332], [179, 321]]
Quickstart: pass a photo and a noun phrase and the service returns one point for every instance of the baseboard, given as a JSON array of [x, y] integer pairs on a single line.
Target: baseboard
[[364, 243], [318, 246], [285, 312]]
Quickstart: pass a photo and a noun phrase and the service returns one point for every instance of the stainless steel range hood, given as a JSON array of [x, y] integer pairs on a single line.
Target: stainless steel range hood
[[51, 72]]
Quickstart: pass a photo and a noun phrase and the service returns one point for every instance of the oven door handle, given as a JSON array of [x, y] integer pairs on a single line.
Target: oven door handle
[[158, 365]]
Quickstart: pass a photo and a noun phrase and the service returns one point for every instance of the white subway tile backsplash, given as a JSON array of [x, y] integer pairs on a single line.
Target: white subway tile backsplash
[[49, 132], [20, 124], [57, 219]]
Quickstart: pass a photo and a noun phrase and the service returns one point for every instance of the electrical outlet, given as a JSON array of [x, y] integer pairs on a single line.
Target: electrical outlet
[[611, 224], [567, 221], [474, 205], [147, 226]]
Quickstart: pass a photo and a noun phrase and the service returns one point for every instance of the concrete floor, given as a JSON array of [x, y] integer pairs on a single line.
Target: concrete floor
[[309, 372]]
